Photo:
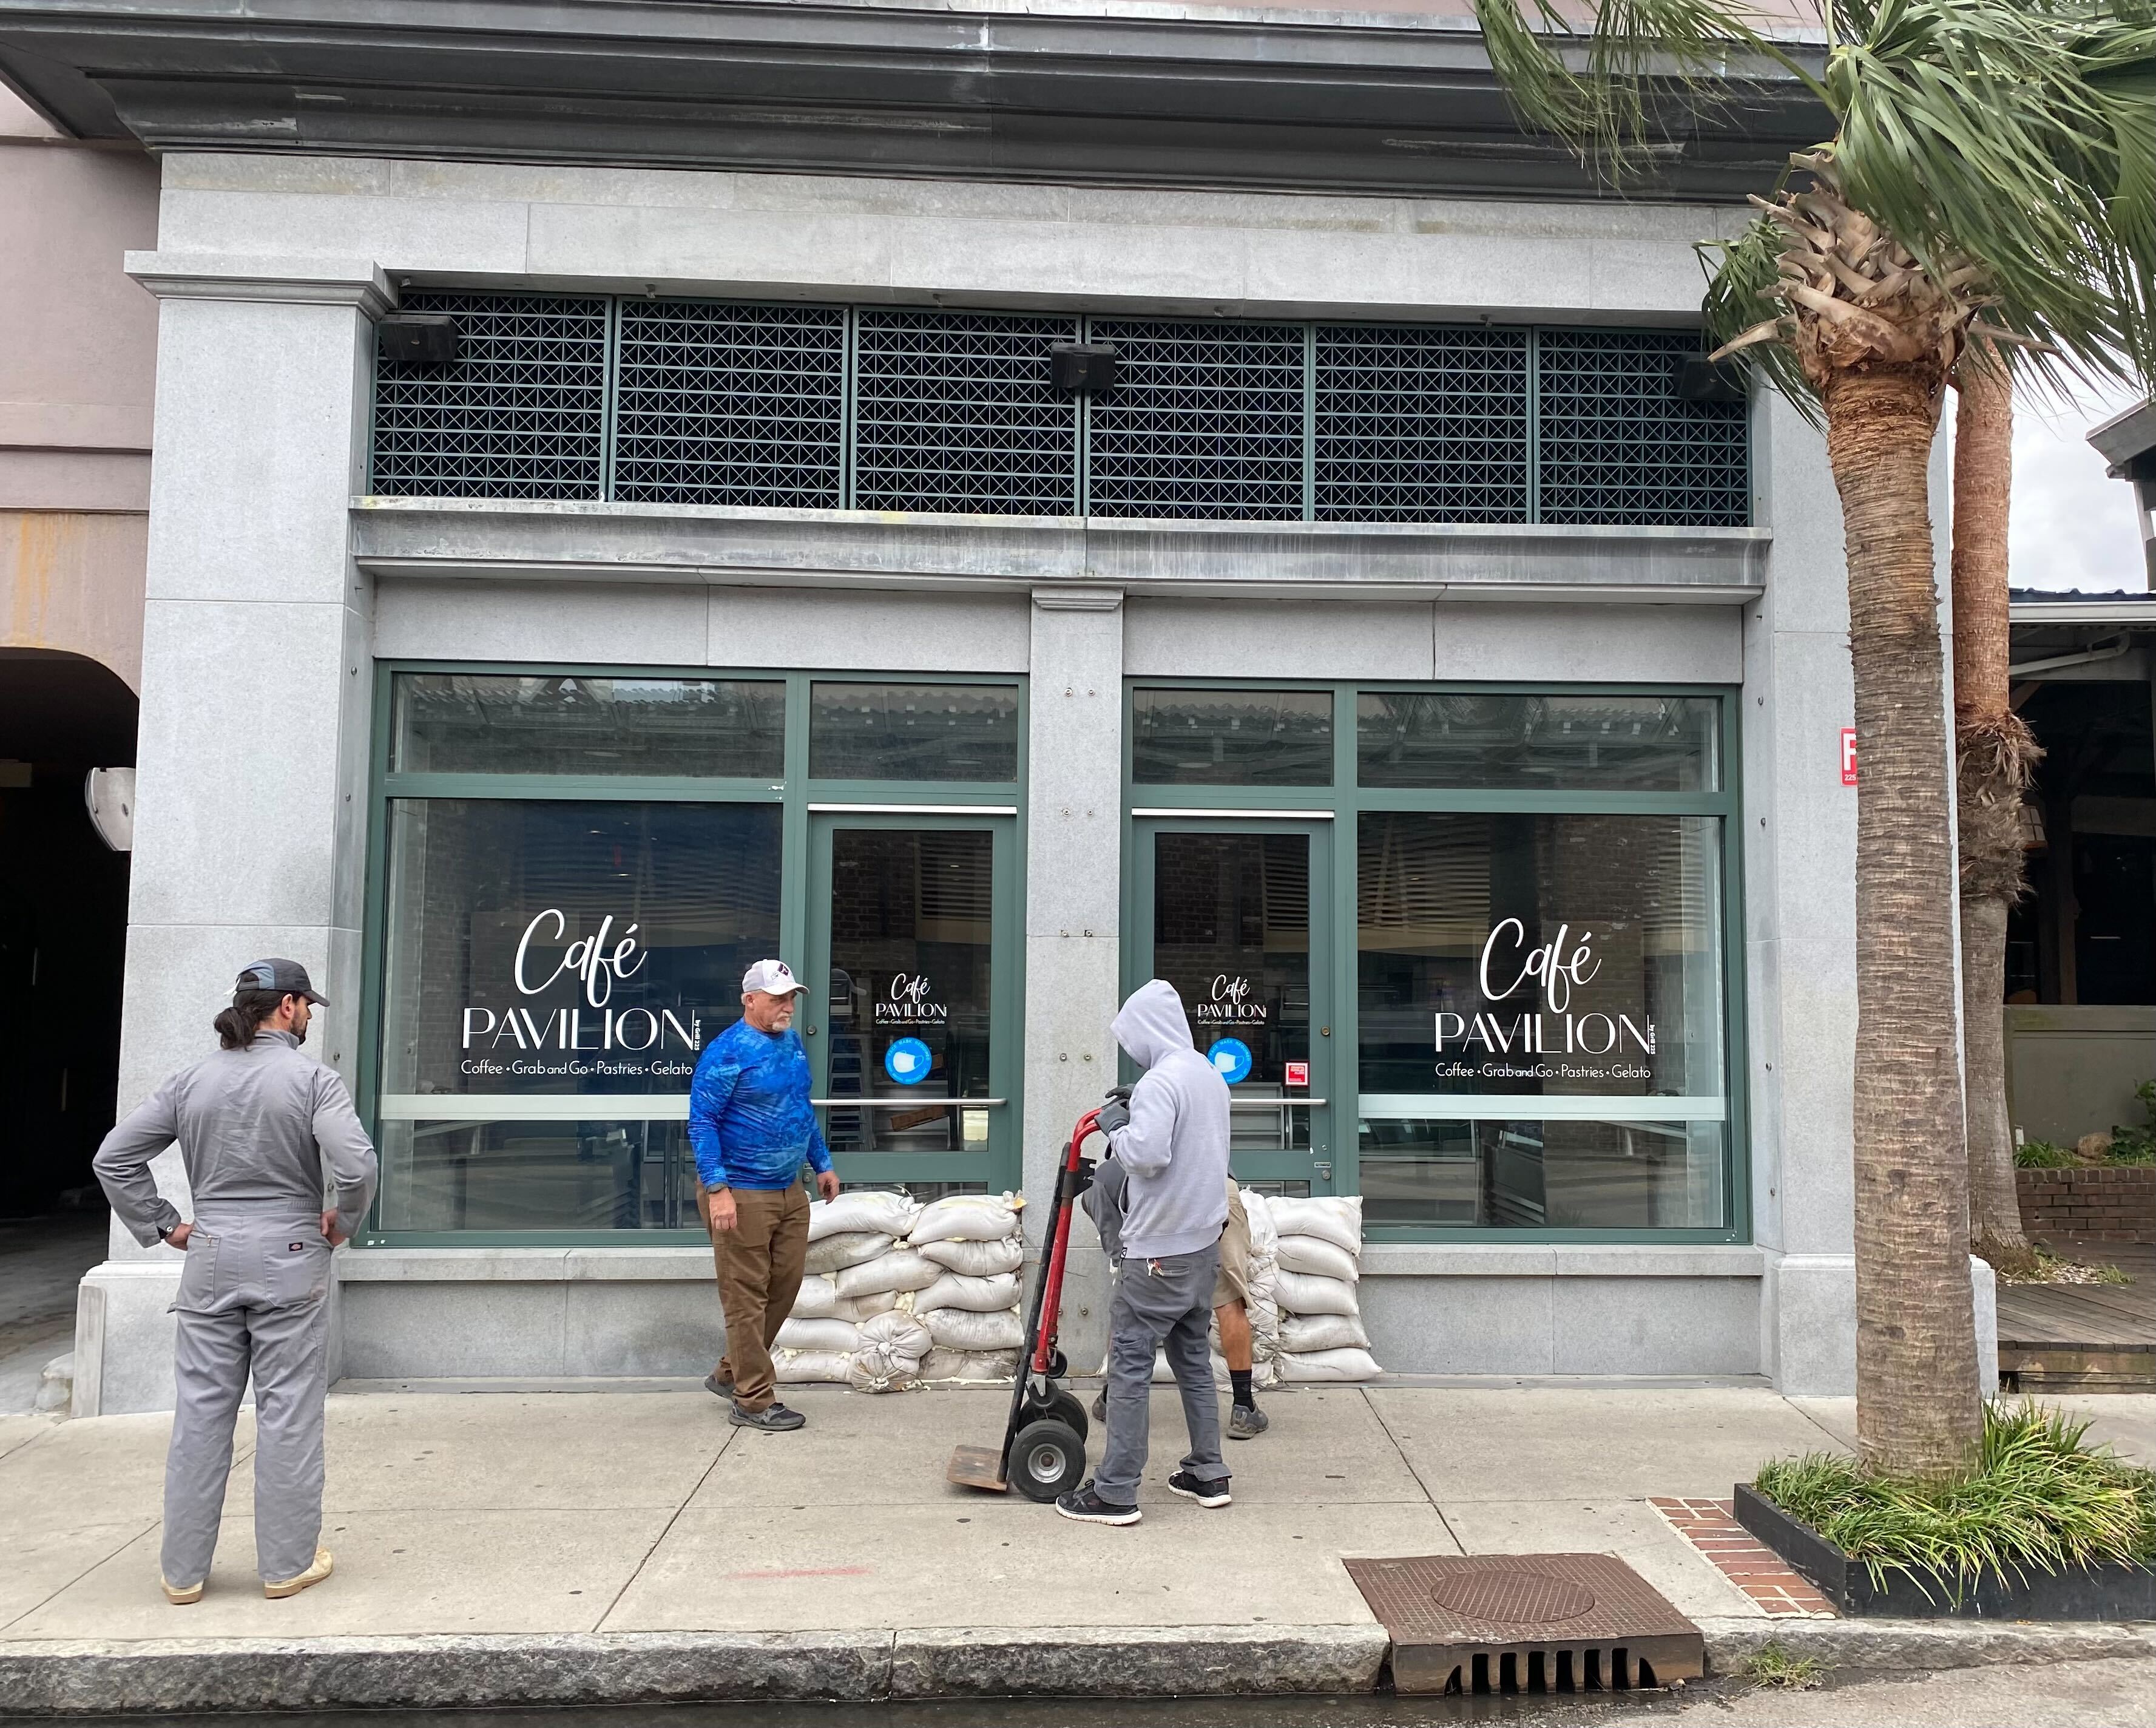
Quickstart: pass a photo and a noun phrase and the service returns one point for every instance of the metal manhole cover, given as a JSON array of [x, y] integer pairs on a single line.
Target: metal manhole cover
[[1525, 1597]]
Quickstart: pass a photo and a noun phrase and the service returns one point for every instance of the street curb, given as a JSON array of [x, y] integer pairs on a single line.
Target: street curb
[[423, 1673], [112, 1678], [1922, 1643]]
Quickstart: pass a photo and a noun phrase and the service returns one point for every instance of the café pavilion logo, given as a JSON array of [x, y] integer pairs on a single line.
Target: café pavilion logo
[[594, 964], [1232, 1001], [1553, 971], [911, 1002]]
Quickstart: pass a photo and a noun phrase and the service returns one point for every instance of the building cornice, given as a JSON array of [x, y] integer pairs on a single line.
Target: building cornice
[[313, 282], [1401, 103]]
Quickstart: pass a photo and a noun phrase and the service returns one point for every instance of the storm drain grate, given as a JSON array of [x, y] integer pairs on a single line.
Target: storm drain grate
[[1527, 1622]]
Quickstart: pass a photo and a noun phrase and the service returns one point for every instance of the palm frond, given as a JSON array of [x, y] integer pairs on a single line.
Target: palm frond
[[1604, 88], [1740, 275]]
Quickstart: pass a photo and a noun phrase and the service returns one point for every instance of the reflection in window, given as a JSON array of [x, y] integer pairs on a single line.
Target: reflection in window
[[1541, 1020], [1231, 738], [470, 722], [1548, 742], [508, 996], [913, 732]]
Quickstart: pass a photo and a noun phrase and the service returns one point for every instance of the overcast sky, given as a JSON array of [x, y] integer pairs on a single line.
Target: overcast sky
[[2071, 525]]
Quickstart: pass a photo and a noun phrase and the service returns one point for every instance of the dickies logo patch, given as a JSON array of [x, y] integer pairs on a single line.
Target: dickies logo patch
[[295, 1247]]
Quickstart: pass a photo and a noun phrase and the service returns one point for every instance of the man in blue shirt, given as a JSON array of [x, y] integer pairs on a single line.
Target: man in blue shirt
[[752, 1127]]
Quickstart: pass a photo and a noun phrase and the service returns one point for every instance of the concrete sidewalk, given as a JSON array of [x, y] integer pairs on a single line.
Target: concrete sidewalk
[[644, 1516]]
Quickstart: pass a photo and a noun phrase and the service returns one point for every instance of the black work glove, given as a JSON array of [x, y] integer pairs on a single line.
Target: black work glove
[[1114, 1114]]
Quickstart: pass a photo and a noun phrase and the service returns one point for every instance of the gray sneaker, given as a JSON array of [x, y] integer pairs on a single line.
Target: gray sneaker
[[718, 1385], [1100, 1405], [1246, 1421], [771, 1419]]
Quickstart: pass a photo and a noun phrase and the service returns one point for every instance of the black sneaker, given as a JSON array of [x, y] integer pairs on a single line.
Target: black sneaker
[[1100, 1405], [771, 1419], [1087, 1507], [1206, 1493], [718, 1385]]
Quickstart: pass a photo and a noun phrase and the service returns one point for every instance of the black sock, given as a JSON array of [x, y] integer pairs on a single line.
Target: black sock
[[1239, 1378]]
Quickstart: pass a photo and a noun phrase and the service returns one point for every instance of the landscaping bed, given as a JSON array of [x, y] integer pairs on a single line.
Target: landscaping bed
[[2038, 1527]]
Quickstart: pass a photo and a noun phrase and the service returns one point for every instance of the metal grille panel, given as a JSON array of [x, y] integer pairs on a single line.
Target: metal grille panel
[[954, 412], [1619, 448], [519, 414], [730, 404], [1206, 421], [1421, 424]]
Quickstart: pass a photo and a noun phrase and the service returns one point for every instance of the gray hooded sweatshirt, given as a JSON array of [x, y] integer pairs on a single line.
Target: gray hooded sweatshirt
[[1174, 1148]]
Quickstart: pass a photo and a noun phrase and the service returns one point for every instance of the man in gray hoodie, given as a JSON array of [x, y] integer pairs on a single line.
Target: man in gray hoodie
[[1171, 1141]]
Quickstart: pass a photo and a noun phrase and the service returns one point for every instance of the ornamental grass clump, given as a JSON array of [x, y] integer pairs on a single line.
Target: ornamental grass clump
[[2035, 1500]]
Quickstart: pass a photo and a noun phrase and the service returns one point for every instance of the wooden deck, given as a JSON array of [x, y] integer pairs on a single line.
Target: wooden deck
[[2088, 1338]]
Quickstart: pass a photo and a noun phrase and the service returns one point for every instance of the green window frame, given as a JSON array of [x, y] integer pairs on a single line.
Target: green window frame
[[795, 794], [1348, 801]]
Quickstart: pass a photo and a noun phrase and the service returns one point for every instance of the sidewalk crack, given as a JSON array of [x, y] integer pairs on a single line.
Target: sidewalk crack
[[1401, 1453], [666, 1529]]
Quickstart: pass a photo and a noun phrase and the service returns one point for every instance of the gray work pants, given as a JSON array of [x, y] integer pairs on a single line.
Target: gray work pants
[[1163, 1305], [253, 1300]]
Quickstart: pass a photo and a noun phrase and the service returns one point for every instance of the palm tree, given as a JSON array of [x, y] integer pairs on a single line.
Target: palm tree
[[1994, 752], [1990, 157]]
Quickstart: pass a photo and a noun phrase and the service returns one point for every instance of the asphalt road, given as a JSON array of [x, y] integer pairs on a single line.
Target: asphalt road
[[2081, 1694]]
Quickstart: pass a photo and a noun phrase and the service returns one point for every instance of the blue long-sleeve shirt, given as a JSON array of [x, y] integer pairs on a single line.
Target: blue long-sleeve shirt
[[750, 1122]]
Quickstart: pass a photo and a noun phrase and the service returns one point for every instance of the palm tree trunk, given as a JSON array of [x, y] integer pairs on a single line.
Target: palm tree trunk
[[1994, 749], [1917, 1406]]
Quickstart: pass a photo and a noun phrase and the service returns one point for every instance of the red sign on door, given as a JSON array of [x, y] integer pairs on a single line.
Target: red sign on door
[[1849, 755], [1298, 1073]]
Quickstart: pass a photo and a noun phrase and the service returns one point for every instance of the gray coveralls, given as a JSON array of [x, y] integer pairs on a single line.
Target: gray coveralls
[[263, 1131]]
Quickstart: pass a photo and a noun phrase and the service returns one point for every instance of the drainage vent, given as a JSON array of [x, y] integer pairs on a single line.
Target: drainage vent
[[1527, 1622]]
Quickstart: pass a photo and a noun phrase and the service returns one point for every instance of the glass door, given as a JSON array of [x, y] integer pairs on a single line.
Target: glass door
[[1234, 914], [912, 1032]]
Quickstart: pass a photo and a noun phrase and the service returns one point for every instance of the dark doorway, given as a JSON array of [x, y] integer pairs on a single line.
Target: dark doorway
[[63, 925]]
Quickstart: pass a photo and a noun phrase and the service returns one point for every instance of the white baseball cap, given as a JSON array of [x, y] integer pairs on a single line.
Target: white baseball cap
[[774, 978]]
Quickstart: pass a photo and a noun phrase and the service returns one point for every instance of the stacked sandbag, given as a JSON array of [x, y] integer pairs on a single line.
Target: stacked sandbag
[[854, 1273], [895, 1292], [1317, 1255], [973, 1308]]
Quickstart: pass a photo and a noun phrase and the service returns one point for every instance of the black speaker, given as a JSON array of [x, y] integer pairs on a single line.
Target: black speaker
[[1082, 368], [417, 338], [1700, 379]]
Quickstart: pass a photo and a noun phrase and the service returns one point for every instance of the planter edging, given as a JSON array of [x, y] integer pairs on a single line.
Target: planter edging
[[2115, 1590]]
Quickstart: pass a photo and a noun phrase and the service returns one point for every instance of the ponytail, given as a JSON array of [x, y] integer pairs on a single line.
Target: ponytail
[[237, 1026]]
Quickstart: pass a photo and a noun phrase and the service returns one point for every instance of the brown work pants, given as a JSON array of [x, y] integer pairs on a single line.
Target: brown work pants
[[759, 1264]]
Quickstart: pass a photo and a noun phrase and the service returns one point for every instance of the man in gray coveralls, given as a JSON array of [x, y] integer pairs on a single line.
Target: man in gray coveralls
[[264, 1129]]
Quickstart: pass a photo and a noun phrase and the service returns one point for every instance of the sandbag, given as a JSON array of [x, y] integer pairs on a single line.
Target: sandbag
[[1302, 1334], [817, 1300], [800, 1334], [858, 1309], [862, 1211], [1328, 1364], [975, 1259], [901, 1269], [1312, 1254], [1257, 1211], [792, 1367], [1162, 1374], [850, 1248], [961, 1329], [1337, 1219], [982, 1295], [892, 1347], [970, 1366], [964, 1217], [1298, 1293]]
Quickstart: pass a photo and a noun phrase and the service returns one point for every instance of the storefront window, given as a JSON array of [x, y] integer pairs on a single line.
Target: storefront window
[[1556, 742], [553, 971], [472, 723], [913, 732], [1231, 738], [1541, 1009]]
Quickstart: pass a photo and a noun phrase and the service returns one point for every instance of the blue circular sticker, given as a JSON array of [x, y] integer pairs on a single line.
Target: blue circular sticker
[[907, 1062], [1230, 1058]]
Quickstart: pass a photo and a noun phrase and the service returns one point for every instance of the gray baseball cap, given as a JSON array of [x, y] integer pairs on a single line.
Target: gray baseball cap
[[288, 978]]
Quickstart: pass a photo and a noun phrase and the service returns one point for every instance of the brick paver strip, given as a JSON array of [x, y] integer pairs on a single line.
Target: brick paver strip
[[1753, 1568]]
